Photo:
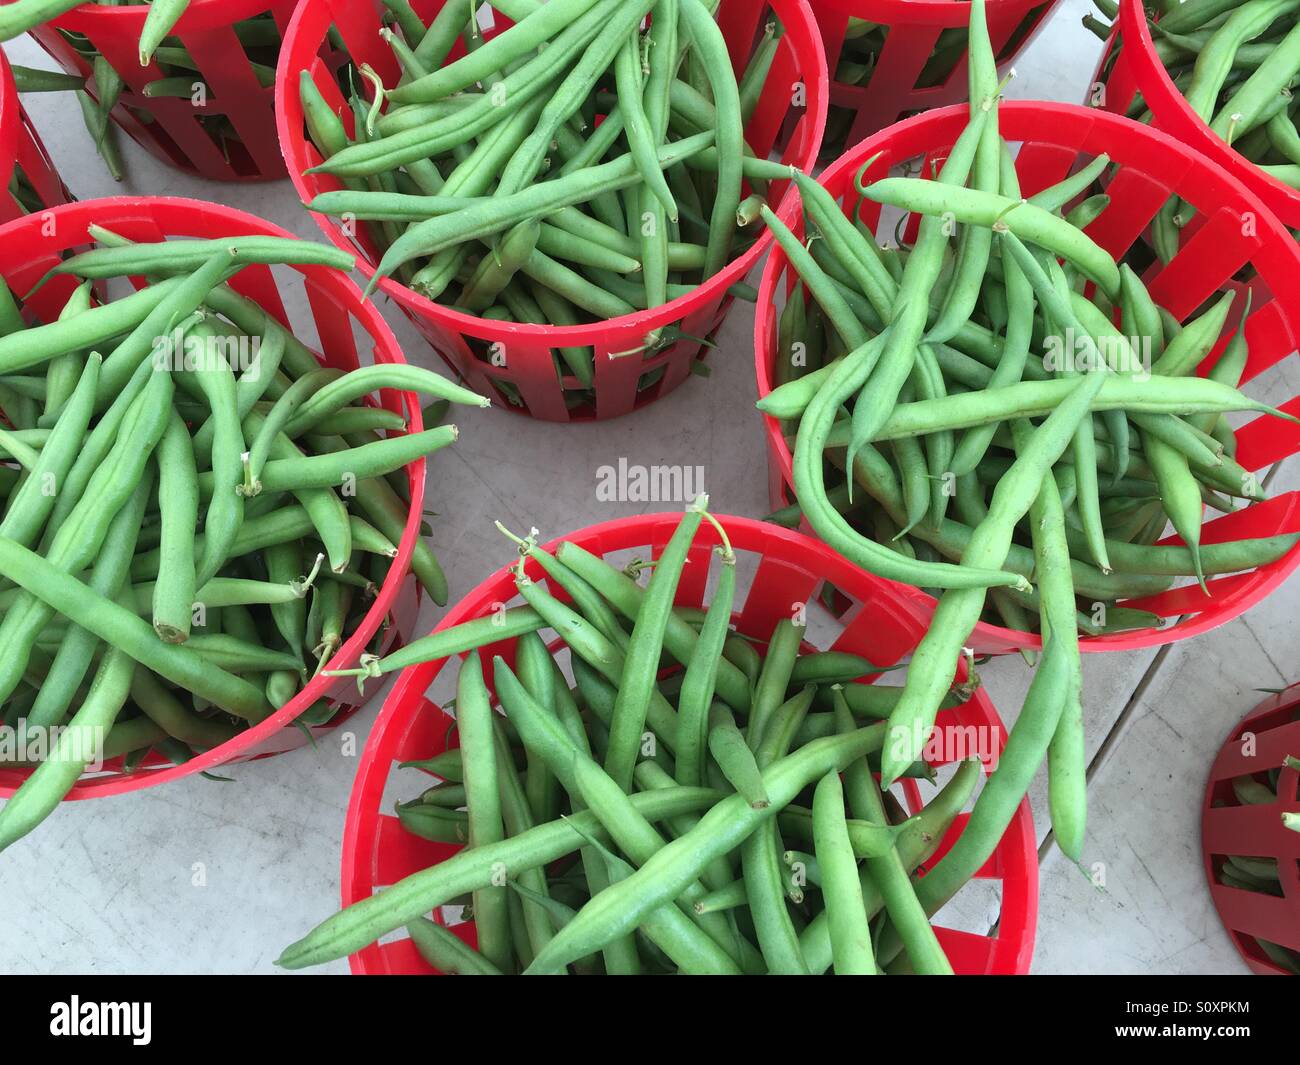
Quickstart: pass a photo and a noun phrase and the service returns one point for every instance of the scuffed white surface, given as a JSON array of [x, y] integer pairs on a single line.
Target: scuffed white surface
[[200, 876]]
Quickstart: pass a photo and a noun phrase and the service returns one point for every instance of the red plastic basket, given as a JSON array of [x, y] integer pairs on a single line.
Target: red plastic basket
[[1273, 729], [28, 248], [176, 133], [21, 151], [466, 342], [913, 28], [790, 569], [1134, 67], [1151, 167]]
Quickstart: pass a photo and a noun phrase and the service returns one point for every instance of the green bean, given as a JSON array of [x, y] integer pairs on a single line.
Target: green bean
[[178, 504], [645, 647], [242, 654], [809, 481], [32, 504], [274, 422], [78, 647], [1037, 398], [517, 88], [478, 750], [778, 665], [434, 234], [1055, 197], [1067, 758], [975, 442], [497, 54], [41, 343], [119, 626], [79, 538], [446, 952], [733, 757], [1180, 495], [634, 834], [30, 79], [777, 937], [1186, 351], [958, 609], [536, 671], [343, 467], [63, 373], [23, 15], [640, 137], [1215, 60], [432, 823], [727, 823], [518, 819], [917, 841], [976, 243], [691, 950], [1029, 222], [225, 511], [889, 872], [466, 636], [845, 910], [785, 725], [189, 255], [74, 750], [700, 680], [158, 703], [680, 640], [709, 44], [158, 23], [724, 898], [1004, 790]]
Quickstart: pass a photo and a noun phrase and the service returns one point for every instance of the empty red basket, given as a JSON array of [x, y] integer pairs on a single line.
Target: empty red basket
[[1131, 66], [466, 342], [790, 568], [900, 84], [347, 328], [1259, 743], [175, 130], [26, 172], [1232, 231]]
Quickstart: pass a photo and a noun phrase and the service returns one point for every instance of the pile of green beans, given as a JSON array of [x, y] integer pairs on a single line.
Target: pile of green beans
[[1254, 873], [684, 819], [1236, 62], [573, 168], [195, 513], [1012, 451], [259, 37], [864, 41]]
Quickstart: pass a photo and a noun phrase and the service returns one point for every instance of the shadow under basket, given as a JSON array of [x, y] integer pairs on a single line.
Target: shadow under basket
[[1233, 242], [341, 319], [229, 135], [788, 568], [1260, 743], [516, 364]]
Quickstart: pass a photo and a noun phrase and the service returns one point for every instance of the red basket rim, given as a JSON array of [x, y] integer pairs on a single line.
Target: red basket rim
[[72, 218], [1017, 852], [987, 637], [10, 120], [1169, 105], [297, 54]]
